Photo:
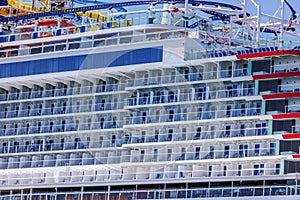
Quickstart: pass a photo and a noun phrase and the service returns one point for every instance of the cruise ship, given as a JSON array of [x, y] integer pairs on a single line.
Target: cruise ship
[[149, 100]]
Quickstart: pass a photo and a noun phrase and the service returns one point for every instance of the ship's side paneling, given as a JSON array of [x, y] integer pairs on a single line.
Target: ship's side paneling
[[79, 62]]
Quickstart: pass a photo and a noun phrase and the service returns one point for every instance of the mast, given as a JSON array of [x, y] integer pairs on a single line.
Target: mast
[[186, 4], [281, 25]]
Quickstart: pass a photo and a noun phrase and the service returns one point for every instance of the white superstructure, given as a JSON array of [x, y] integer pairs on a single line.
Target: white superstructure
[[152, 111]]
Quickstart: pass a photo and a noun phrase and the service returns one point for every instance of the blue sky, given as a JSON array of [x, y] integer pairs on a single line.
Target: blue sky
[[268, 6]]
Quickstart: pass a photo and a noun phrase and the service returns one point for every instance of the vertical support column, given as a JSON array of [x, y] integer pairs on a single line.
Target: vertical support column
[[232, 186], [135, 194], [230, 33], [186, 14], [218, 71], [281, 171], [1, 33], [208, 192], [30, 193], [281, 25], [55, 194], [108, 192], [81, 193], [296, 188], [137, 99], [249, 69], [272, 70], [22, 192], [245, 8], [193, 96], [277, 148], [151, 97], [263, 107], [258, 24], [256, 87], [270, 127], [186, 190], [233, 67], [186, 4]]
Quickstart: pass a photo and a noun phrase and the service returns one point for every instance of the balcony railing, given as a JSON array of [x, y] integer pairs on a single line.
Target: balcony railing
[[170, 96], [203, 135], [172, 193], [281, 68], [189, 77], [58, 127], [288, 88], [178, 116], [86, 42], [80, 158], [88, 175], [61, 92]]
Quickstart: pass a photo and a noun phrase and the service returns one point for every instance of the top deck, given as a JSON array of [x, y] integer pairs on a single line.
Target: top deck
[[220, 28]]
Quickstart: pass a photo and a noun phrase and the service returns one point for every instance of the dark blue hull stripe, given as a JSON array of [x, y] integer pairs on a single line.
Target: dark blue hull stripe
[[82, 62]]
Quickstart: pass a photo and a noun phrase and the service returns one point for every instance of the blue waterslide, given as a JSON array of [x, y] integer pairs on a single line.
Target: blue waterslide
[[3, 3], [95, 2], [103, 5], [119, 6], [293, 16]]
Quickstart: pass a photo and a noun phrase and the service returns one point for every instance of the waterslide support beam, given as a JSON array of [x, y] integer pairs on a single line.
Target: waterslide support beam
[[281, 25]]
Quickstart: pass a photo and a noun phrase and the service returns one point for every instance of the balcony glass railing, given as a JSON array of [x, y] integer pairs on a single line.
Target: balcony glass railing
[[294, 129], [203, 135], [86, 41], [60, 108], [172, 193], [189, 77], [21, 146], [231, 90], [98, 89], [99, 175], [131, 20], [233, 50], [191, 116], [285, 68], [52, 145], [202, 94], [60, 127], [76, 158], [168, 97], [288, 88], [292, 108], [108, 121]]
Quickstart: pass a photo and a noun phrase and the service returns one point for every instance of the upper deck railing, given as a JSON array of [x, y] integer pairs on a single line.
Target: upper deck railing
[[85, 41], [123, 32], [217, 39]]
